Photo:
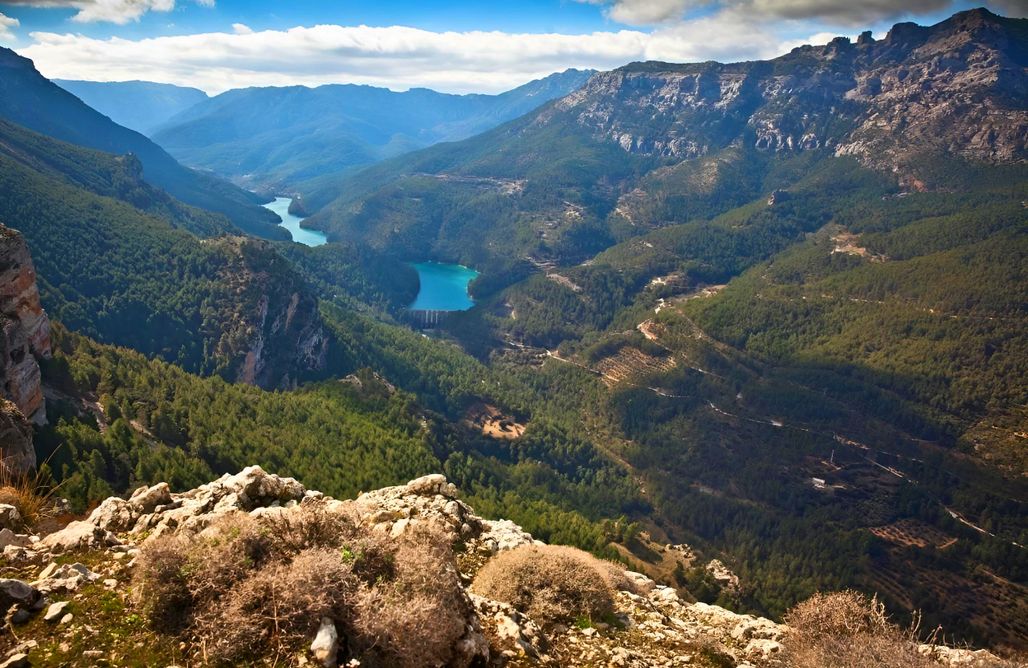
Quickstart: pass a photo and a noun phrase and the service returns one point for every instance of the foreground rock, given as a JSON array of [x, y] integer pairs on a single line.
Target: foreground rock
[[651, 626]]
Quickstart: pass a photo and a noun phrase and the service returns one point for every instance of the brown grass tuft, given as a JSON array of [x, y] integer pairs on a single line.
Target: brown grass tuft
[[32, 495], [551, 584], [421, 612]]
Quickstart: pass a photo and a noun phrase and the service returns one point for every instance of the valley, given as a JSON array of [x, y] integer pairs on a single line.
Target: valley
[[756, 330]]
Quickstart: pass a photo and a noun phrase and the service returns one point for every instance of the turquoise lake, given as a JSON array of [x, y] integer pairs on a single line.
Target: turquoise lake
[[292, 223], [444, 287]]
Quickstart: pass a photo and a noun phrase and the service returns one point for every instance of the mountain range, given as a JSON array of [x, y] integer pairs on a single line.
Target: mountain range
[[769, 314], [297, 136], [652, 144]]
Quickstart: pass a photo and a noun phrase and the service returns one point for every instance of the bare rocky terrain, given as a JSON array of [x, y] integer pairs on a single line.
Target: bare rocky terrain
[[71, 596]]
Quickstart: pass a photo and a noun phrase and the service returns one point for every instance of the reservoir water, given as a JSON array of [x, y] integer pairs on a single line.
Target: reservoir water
[[292, 223], [444, 287]]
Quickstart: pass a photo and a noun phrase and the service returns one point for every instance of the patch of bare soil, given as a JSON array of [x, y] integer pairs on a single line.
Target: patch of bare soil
[[493, 423]]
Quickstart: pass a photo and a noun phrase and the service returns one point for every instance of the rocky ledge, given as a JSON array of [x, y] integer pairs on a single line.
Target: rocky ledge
[[651, 624]]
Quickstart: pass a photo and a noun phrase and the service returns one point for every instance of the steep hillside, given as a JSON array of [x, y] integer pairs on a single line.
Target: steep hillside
[[30, 100], [116, 176], [563, 180], [230, 306], [302, 138], [138, 105]]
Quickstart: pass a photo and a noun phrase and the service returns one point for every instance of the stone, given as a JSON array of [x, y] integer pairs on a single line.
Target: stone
[[17, 555], [639, 583], [9, 516], [19, 660], [147, 499], [67, 577], [21, 616], [55, 611], [326, 643], [763, 648], [17, 592], [80, 535], [8, 537]]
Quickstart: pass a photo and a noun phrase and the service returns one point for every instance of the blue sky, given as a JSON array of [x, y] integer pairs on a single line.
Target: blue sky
[[456, 46]]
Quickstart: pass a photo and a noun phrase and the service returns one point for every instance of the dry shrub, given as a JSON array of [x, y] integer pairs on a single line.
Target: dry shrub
[[278, 606], [250, 588], [550, 583], [849, 630], [418, 615]]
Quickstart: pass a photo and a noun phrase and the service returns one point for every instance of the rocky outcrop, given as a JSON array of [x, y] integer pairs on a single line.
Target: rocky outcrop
[[652, 625], [24, 328], [277, 338], [958, 88]]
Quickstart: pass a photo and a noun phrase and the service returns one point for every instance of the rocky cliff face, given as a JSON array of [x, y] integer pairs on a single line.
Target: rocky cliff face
[[957, 87], [277, 336], [25, 328], [17, 454], [651, 625]]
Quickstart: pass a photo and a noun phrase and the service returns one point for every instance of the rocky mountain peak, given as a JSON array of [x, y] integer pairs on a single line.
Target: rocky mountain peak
[[955, 88]]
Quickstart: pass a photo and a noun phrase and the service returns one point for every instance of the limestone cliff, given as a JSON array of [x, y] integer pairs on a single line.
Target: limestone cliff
[[26, 329], [274, 337], [956, 88]]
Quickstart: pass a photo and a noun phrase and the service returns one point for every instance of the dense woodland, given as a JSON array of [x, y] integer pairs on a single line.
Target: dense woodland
[[690, 346]]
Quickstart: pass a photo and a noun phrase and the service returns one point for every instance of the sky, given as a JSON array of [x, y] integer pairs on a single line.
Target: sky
[[458, 46]]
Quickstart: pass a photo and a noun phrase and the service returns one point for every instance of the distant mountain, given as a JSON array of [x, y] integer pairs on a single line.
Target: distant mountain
[[278, 137], [137, 105], [30, 100], [653, 144]]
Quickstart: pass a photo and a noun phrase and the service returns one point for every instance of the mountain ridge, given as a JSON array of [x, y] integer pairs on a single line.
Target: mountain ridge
[[138, 105], [284, 144], [897, 105], [32, 101]]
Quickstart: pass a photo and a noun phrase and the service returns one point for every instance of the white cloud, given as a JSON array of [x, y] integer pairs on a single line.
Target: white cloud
[[7, 24], [400, 57], [396, 57], [847, 12], [645, 12], [842, 12], [112, 11]]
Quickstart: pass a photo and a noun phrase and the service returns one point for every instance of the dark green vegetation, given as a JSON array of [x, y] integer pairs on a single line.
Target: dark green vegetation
[[302, 139], [138, 105], [28, 99], [116, 261], [847, 412], [872, 341]]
